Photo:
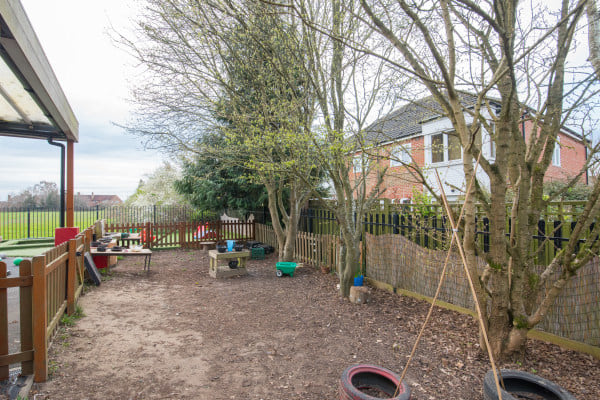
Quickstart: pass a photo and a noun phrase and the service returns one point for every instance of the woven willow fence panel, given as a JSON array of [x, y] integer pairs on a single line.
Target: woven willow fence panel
[[397, 261]]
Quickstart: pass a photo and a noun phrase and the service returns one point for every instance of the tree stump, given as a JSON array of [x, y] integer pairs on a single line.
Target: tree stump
[[359, 294]]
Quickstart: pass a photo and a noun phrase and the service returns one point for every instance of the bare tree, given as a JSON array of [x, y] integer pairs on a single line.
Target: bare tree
[[349, 89], [513, 60]]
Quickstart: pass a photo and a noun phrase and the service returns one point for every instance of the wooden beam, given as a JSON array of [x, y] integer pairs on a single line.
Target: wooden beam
[[26, 307], [16, 282], [71, 276], [14, 358], [40, 320], [3, 324], [70, 184]]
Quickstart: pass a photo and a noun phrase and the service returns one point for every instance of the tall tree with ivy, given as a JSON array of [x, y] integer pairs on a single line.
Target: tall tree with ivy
[[268, 106], [229, 70]]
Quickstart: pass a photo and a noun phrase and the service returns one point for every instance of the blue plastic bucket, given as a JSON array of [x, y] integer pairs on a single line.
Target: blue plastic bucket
[[358, 280], [230, 244]]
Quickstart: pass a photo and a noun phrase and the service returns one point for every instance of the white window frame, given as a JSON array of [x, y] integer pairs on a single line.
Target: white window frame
[[445, 137], [358, 163], [492, 148], [402, 155], [556, 153]]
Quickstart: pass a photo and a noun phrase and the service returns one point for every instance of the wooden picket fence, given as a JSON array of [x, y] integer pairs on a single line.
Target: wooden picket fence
[[310, 248], [187, 234], [49, 285]]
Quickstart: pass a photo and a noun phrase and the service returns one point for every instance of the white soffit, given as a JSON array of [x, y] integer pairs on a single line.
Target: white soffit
[[32, 103], [16, 104]]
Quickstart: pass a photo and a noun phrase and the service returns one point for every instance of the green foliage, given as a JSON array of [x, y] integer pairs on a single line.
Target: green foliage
[[520, 322], [578, 191], [534, 280], [44, 194], [421, 202], [210, 183], [158, 188], [69, 320]]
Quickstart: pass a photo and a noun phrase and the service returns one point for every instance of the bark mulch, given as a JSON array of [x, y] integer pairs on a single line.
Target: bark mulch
[[177, 333]]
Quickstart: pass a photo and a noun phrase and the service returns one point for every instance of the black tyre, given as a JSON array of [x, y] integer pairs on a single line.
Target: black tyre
[[520, 385], [279, 273], [358, 382]]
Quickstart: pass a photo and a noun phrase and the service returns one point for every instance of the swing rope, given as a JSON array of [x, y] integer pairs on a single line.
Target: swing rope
[[454, 240]]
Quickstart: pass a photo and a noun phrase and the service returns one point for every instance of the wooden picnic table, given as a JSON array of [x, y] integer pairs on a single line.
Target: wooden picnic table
[[147, 253]]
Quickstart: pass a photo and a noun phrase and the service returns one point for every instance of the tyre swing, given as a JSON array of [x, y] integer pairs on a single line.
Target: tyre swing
[[364, 382]]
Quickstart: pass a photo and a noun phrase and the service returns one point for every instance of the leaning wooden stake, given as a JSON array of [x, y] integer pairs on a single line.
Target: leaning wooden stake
[[435, 297], [454, 239], [470, 280]]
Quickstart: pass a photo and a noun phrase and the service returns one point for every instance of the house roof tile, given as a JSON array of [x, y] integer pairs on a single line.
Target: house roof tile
[[406, 121]]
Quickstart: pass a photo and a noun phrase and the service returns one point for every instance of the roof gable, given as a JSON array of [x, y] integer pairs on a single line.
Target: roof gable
[[406, 121]]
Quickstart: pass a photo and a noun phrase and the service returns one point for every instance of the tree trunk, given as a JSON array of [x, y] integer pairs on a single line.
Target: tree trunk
[[349, 264], [498, 320], [594, 35], [287, 252]]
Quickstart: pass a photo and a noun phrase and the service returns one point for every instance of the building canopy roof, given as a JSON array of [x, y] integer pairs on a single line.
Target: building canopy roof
[[32, 103]]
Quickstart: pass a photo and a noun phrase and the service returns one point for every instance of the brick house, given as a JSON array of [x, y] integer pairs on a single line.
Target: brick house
[[417, 133], [93, 200]]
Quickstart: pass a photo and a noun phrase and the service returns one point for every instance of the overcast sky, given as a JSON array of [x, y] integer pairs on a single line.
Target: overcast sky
[[94, 75]]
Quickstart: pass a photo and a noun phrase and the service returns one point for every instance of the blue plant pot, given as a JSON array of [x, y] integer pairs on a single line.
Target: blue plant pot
[[358, 280]]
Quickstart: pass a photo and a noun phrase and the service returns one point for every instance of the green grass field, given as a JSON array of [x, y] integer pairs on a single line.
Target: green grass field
[[20, 225]]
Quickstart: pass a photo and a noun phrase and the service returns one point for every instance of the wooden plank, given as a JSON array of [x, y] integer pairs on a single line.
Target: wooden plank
[[56, 319], [57, 262], [40, 359], [70, 196], [14, 358], [78, 292], [26, 317], [71, 276], [3, 323], [16, 282]]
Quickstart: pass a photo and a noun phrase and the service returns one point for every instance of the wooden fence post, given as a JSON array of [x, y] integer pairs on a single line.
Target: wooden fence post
[[71, 276], [4, 369], [182, 234], [40, 343], [148, 230], [26, 320]]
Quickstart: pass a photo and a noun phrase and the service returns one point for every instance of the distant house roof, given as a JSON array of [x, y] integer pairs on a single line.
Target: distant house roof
[[406, 121], [92, 200]]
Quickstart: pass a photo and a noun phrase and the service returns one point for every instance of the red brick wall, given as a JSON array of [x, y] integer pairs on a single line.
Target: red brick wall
[[398, 182], [572, 157]]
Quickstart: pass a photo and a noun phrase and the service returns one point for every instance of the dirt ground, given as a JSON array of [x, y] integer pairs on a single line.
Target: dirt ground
[[176, 333]]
